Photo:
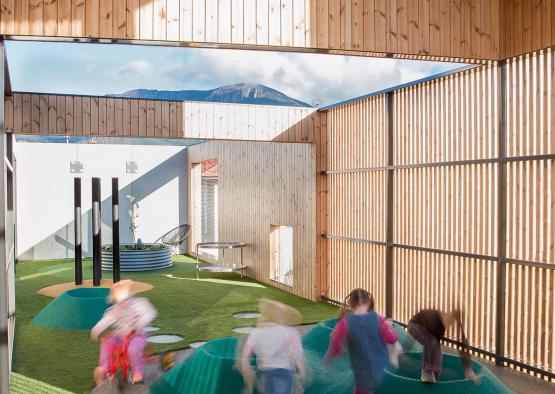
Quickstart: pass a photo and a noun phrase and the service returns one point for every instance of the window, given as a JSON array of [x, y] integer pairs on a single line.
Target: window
[[281, 254]]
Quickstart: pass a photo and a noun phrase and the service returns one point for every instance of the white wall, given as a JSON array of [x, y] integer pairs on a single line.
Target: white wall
[[45, 194]]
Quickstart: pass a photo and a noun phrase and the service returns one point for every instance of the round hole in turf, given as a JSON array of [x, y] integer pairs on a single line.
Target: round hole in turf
[[164, 338], [242, 330], [196, 344], [247, 315], [151, 328]]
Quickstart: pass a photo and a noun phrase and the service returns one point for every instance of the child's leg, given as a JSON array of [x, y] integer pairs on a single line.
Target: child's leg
[[436, 358], [429, 344], [277, 381], [108, 342], [135, 353]]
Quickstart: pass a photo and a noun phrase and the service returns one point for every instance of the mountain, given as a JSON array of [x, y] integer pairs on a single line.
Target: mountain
[[241, 93]]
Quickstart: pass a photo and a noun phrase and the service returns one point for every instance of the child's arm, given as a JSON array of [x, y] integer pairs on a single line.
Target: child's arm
[[146, 312], [336, 342], [107, 320], [389, 336], [246, 354], [297, 351]]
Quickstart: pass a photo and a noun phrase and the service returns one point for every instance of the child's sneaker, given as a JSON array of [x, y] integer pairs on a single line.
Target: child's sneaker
[[427, 377]]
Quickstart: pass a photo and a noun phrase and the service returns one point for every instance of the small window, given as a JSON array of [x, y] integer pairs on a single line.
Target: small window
[[281, 254]]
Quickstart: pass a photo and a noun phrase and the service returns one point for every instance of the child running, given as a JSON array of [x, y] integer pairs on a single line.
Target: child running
[[428, 327], [128, 315], [367, 335], [277, 347]]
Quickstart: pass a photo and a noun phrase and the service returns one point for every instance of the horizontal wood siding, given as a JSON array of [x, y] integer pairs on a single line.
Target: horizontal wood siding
[[426, 28], [262, 184], [121, 117]]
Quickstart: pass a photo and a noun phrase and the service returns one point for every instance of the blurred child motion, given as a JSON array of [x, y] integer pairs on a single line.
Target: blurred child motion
[[278, 350], [128, 315], [428, 328], [368, 336]]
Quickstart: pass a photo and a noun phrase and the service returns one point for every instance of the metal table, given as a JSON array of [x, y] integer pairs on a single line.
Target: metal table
[[223, 267]]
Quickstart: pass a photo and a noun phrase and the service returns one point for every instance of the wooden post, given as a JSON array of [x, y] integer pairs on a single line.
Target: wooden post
[[77, 231], [97, 233], [115, 231], [389, 210], [502, 218]]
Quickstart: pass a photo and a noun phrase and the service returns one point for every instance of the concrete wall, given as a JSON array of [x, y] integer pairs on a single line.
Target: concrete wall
[[45, 194]]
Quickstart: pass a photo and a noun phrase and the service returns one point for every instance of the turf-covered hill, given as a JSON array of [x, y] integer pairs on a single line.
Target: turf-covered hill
[[211, 369]]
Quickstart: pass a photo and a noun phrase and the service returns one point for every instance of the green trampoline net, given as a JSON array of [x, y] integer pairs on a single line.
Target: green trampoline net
[[211, 369], [77, 309]]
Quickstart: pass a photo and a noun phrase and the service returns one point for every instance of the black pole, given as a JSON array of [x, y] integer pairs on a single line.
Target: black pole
[[389, 211], [502, 219], [96, 227], [77, 231], [115, 230]]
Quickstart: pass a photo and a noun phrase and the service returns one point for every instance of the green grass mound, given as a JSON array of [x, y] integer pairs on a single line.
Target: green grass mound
[[77, 309], [452, 381], [20, 384], [211, 369]]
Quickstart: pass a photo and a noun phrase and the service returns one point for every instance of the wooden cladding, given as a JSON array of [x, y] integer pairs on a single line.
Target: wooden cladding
[[526, 26], [262, 184], [34, 113], [472, 29], [446, 202]]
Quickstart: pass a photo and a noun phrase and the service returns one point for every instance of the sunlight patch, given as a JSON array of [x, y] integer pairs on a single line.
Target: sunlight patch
[[44, 273], [219, 281]]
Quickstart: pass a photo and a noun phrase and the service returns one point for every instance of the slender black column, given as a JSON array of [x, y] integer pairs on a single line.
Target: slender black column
[[389, 211], [502, 220], [97, 236], [115, 230], [77, 231]]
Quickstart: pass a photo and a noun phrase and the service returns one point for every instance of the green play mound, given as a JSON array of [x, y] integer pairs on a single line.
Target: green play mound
[[452, 381], [211, 369], [77, 309]]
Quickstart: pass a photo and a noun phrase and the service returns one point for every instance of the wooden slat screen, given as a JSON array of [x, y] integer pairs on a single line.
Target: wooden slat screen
[[430, 28], [446, 201]]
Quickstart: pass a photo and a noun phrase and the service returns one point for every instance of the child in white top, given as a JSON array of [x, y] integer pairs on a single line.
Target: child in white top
[[278, 349]]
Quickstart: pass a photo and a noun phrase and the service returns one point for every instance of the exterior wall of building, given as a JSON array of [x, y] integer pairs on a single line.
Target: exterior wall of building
[[45, 194]]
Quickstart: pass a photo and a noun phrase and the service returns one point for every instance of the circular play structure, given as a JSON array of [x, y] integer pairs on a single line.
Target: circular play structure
[[212, 369], [77, 309], [145, 257], [224, 266]]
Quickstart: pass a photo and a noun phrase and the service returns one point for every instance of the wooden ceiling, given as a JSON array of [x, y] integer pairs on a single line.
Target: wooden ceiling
[[470, 30]]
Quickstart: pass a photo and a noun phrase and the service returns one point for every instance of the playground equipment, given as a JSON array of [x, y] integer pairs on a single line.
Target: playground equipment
[[77, 232], [223, 267], [77, 309], [218, 359]]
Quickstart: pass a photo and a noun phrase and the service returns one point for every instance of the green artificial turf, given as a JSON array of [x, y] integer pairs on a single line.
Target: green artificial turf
[[195, 309], [20, 384]]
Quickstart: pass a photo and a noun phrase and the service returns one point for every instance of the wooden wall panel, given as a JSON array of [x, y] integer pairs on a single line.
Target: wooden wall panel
[[262, 184], [428, 28], [526, 26], [88, 115], [446, 198], [430, 280]]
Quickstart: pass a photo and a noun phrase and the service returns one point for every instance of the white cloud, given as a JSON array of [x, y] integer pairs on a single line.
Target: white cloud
[[132, 68]]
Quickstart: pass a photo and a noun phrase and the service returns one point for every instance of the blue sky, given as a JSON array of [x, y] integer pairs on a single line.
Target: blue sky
[[101, 69]]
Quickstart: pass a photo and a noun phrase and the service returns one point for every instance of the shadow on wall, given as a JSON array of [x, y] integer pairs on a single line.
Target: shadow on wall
[[170, 169]]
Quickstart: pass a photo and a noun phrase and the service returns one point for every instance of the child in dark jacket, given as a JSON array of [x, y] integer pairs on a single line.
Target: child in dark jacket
[[367, 335], [428, 327]]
